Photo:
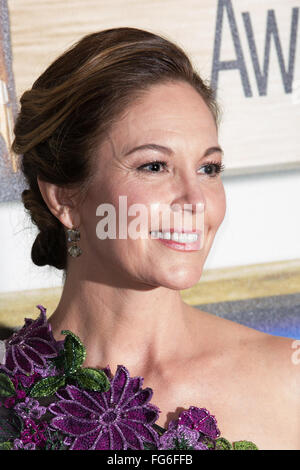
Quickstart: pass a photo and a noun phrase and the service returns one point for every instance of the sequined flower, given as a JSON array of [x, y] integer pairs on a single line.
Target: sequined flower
[[181, 437], [25, 380], [9, 402], [19, 445], [120, 418], [199, 419], [30, 408], [33, 433], [30, 346]]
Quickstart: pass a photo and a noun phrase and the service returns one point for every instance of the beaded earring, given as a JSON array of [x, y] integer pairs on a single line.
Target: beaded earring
[[73, 237]]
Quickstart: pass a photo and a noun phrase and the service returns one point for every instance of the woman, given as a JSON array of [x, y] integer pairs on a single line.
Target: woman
[[78, 130]]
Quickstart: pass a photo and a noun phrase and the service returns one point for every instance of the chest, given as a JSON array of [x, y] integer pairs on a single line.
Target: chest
[[244, 409]]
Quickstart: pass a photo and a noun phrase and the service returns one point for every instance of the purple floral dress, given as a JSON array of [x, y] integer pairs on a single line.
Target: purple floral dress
[[49, 401]]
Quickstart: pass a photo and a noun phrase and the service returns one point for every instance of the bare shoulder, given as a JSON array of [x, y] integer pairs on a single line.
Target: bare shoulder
[[284, 362], [274, 358], [258, 373]]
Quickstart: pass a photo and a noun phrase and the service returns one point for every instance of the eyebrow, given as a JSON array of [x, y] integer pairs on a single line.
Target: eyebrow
[[169, 151]]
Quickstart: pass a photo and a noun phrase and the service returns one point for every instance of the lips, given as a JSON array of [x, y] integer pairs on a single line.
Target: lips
[[180, 244], [188, 246]]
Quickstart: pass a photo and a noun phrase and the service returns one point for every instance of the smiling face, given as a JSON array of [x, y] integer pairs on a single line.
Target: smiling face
[[173, 116]]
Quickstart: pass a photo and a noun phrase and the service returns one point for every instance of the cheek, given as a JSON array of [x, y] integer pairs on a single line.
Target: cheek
[[153, 203], [122, 198], [215, 208], [135, 195]]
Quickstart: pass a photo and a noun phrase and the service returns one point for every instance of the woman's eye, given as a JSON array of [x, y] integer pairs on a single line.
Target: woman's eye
[[155, 166], [218, 167], [212, 169]]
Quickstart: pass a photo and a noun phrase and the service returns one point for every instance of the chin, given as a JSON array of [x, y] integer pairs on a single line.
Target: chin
[[183, 280]]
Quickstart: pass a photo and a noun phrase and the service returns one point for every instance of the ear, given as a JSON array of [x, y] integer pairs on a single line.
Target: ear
[[60, 202]]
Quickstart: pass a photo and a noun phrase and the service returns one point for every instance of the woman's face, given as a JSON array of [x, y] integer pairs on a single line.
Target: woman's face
[[172, 115]]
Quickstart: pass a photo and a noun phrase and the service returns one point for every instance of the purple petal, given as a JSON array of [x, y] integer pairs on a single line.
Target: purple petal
[[84, 398], [133, 440], [31, 325], [21, 360], [132, 388], [71, 408], [73, 426], [54, 409], [103, 399], [119, 384], [209, 427], [142, 414], [198, 414], [42, 347], [186, 420], [117, 439], [9, 360], [64, 394], [43, 332], [206, 422], [201, 420], [43, 311], [103, 442], [140, 398], [146, 432], [34, 356], [108, 372], [85, 442]]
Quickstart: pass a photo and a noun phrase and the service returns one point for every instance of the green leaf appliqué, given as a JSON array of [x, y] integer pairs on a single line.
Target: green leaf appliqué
[[244, 445], [6, 446], [75, 352], [7, 388], [92, 379], [223, 444], [10, 427], [47, 387]]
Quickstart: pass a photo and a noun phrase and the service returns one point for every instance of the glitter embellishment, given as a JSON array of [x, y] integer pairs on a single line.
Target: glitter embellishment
[[31, 346], [49, 401], [97, 423]]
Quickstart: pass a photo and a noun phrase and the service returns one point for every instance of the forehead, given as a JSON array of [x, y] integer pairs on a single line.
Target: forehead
[[165, 110]]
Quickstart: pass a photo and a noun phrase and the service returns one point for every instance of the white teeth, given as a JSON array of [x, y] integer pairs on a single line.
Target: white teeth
[[154, 234], [178, 237], [182, 237], [192, 236]]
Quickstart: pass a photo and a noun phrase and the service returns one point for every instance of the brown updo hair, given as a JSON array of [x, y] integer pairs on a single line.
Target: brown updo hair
[[72, 104]]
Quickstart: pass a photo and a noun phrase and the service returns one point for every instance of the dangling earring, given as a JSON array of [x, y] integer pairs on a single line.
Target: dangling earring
[[73, 237]]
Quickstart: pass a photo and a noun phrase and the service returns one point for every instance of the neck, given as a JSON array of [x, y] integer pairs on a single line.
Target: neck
[[140, 329]]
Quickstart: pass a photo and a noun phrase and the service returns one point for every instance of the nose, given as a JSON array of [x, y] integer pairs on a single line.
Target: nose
[[188, 204], [189, 195]]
